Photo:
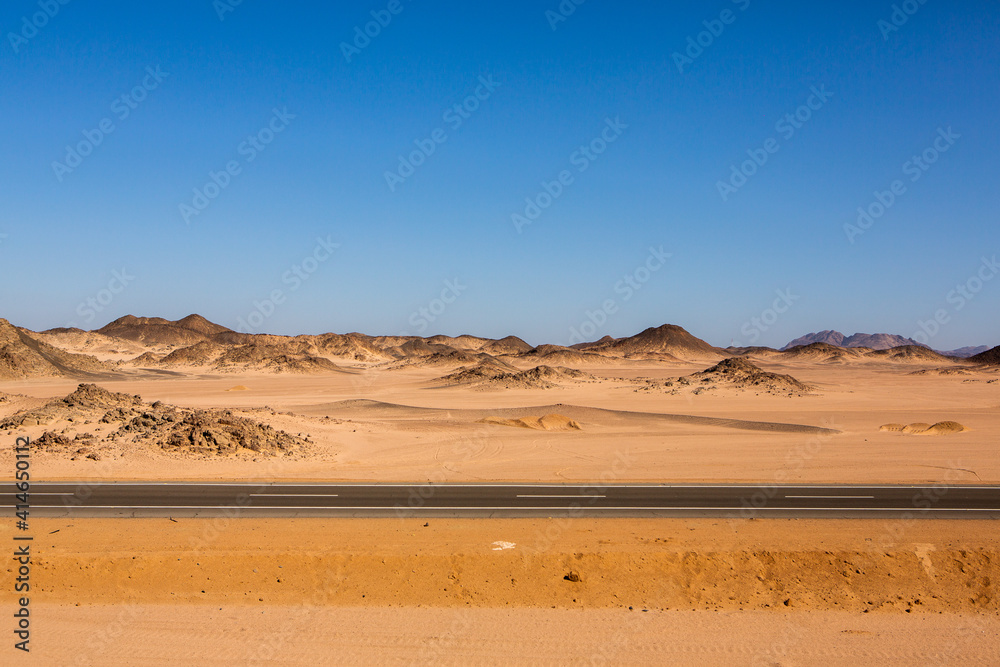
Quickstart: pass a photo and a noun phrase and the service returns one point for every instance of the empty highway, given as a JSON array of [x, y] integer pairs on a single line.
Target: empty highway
[[195, 499]]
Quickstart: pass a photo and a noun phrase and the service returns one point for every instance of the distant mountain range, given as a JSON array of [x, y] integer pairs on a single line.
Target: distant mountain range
[[131, 345], [967, 352], [874, 341], [139, 346], [877, 341]]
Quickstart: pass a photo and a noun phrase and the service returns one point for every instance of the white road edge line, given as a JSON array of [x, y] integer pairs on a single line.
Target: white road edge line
[[835, 497], [293, 495], [576, 496], [516, 509], [755, 487]]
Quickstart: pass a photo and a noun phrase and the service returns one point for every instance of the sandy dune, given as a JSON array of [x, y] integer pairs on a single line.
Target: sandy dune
[[408, 408]]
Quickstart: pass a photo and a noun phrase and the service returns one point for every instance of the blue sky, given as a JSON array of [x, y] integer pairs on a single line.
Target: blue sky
[[437, 248]]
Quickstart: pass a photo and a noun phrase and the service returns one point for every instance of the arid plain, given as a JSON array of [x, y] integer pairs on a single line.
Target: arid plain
[[151, 399]]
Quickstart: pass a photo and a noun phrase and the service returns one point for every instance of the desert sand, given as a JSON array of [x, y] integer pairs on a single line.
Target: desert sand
[[401, 425], [294, 592], [150, 399], [305, 636]]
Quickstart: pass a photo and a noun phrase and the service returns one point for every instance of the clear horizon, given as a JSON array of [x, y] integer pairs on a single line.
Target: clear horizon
[[752, 172]]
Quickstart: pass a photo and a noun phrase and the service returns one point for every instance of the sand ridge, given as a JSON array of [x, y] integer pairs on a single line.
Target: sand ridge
[[921, 428], [551, 422], [359, 408]]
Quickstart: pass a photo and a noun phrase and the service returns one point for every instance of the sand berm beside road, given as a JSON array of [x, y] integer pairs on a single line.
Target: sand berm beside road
[[715, 564], [552, 591]]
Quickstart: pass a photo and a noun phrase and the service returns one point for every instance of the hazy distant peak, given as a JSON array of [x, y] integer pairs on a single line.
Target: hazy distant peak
[[829, 337], [874, 341]]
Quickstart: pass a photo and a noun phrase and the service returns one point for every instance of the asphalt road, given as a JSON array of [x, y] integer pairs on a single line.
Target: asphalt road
[[176, 499]]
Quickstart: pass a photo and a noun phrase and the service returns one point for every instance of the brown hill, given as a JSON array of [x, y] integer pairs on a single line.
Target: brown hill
[[498, 375], [822, 352], [987, 358], [78, 341], [22, 356], [61, 330], [463, 342], [557, 374], [487, 369], [511, 345], [586, 346], [146, 360], [419, 352], [354, 346], [201, 325], [669, 340], [419, 347], [449, 357], [754, 351], [273, 359], [302, 364], [557, 355], [908, 354], [202, 353], [741, 374], [281, 355], [158, 331], [386, 342]]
